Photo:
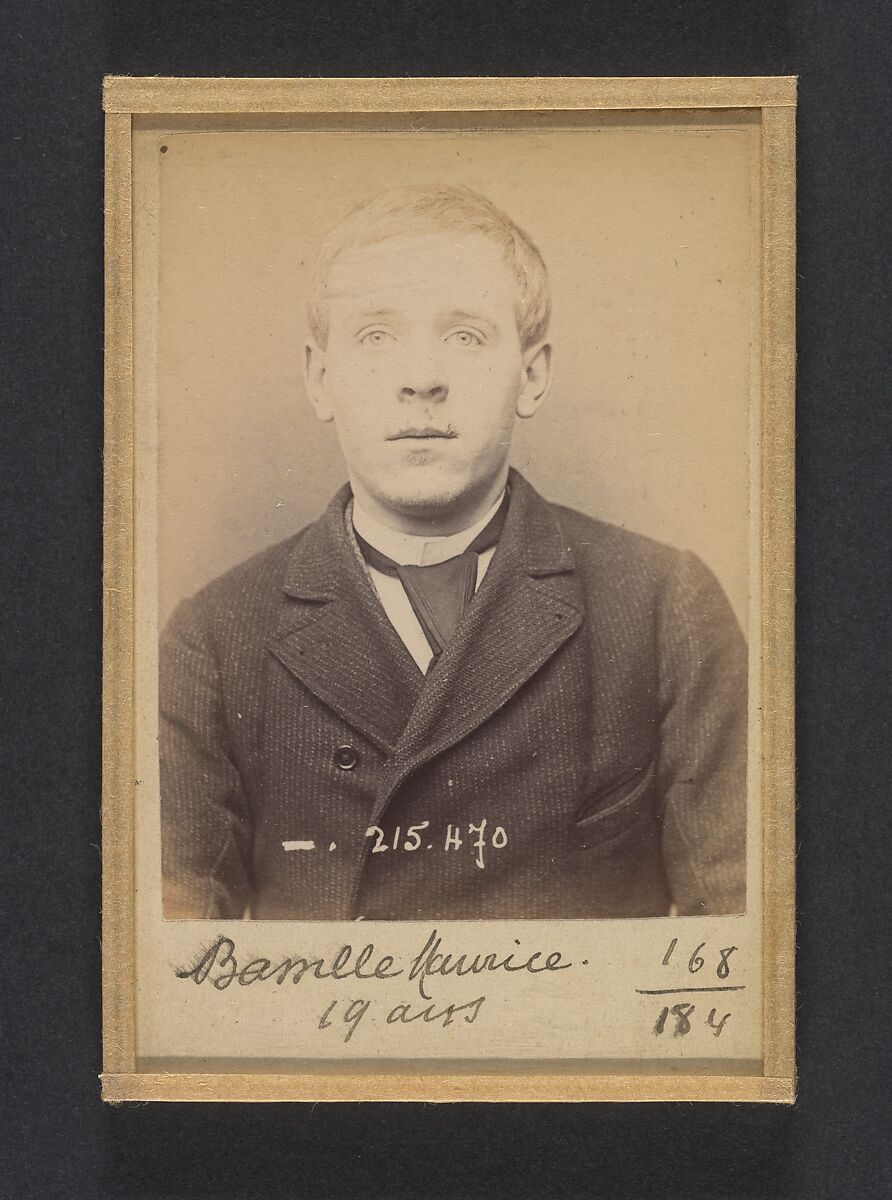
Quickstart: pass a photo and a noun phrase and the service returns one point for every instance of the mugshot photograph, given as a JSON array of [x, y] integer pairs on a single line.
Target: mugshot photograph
[[449, 697]]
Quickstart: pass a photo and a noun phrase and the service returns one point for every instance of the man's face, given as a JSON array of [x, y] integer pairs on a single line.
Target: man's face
[[423, 375]]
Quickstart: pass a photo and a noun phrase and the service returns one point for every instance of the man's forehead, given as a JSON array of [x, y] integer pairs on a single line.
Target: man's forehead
[[447, 267]]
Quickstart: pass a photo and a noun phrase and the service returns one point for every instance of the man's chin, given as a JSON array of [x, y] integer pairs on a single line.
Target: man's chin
[[425, 491], [423, 502]]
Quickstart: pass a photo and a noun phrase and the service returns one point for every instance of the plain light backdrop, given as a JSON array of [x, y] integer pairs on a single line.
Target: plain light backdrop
[[650, 235]]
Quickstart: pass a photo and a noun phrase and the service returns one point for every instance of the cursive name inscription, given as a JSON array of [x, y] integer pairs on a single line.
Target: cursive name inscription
[[220, 965]]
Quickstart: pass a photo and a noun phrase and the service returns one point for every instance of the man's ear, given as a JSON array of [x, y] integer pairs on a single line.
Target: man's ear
[[314, 378], [536, 379]]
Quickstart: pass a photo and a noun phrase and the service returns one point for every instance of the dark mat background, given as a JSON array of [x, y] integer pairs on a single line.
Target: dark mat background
[[56, 1138]]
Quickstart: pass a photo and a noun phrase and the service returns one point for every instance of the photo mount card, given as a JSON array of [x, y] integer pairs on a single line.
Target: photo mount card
[[449, 589]]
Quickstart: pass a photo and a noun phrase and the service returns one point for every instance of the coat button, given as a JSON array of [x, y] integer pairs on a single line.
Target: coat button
[[346, 758]]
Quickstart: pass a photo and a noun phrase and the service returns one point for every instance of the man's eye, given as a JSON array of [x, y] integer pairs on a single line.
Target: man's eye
[[375, 337], [465, 337]]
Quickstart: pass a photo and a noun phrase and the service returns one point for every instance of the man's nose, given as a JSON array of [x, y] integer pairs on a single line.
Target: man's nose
[[432, 393]]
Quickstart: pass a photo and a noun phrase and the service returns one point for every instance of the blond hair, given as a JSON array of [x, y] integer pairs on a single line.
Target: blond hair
[[416, 209]]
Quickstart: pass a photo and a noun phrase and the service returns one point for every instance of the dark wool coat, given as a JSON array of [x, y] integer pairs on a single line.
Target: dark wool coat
[[591, 709]]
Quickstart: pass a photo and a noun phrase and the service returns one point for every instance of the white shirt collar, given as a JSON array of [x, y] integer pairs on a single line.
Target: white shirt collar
[[410, 550]]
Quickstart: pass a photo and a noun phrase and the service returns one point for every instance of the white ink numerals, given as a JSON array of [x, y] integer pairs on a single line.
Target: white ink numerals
[[449, 841]]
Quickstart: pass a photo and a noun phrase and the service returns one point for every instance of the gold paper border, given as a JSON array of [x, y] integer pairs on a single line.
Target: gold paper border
[[118, 709], [124, 94], [124, 97], [442, 1088], [778, 520]]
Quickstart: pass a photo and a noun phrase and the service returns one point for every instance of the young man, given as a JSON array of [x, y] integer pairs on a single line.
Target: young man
[[448, 698]]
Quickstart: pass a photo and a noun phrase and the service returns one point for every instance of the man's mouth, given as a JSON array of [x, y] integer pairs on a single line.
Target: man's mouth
[[422, 433]]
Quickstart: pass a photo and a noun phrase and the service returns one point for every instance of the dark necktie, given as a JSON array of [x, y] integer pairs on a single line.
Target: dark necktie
[[440, 593]]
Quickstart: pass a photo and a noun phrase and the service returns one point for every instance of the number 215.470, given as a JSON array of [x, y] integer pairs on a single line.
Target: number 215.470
[[411, 839]]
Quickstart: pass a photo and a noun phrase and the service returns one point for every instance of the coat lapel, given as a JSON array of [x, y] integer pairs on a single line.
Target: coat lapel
[[527, 607], [336, 639]]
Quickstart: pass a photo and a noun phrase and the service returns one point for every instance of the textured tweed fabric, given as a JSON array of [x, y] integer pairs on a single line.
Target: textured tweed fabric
[[590, 709]]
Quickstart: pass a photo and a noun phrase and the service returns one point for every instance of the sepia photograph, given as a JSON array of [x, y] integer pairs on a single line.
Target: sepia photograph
[[458, 560], [420, 663]]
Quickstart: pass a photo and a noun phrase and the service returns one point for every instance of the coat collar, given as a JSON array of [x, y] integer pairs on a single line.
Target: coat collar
[[317, 563], [527, 607], [335, 636], [336, 639]]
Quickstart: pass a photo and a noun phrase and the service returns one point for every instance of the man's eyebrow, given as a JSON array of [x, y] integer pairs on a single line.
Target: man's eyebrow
[[373, 314], [460, 314]]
